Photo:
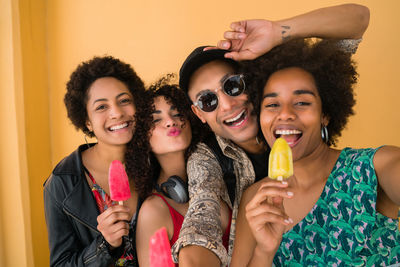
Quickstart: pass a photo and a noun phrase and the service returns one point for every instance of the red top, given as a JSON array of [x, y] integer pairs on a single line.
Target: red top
[[177, 220], [225, 237]]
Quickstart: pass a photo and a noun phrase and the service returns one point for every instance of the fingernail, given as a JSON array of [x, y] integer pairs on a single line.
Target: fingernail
[[241, 35], [290, 193], [284, 182]]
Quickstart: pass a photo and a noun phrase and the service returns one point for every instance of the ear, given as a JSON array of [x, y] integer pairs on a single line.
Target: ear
[[198, 113], [89, 126], [325, 120]]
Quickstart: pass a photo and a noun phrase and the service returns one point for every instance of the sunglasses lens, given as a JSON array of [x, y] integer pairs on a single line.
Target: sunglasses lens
[[234, 86], [208, 101]]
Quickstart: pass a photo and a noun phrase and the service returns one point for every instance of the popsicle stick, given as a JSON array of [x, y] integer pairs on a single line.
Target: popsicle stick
[[280, 178], [120, 202]]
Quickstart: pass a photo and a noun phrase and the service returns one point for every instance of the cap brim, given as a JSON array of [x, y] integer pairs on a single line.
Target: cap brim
[[197, 59]]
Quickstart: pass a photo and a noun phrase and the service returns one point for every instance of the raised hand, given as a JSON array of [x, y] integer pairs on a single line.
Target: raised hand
[[266, 216], [250, 39], [113, 224]]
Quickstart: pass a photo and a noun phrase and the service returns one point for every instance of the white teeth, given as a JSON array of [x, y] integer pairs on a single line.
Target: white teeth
[[287, 132], [117, 127], [235, 118]]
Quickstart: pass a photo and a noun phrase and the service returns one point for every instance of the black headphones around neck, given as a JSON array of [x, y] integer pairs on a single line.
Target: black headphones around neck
[[174, 188]]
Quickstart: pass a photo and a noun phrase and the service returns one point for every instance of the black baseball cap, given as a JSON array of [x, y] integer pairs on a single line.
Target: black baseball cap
[[198, 58]]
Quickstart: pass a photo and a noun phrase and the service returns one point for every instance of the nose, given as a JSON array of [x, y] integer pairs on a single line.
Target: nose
[[170, 121], [286, 113], [225, 102], [115, 112]]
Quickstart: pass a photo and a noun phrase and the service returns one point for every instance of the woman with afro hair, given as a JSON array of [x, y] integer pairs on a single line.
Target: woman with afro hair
[[167, 133], [85, 227], [341, 206]]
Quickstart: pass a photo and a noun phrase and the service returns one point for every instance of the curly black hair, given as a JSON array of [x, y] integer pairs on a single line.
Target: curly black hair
[[140, 163], [89, 71], [333, 70]]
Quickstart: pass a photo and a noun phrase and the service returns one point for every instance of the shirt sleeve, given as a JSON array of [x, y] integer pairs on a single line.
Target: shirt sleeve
[[202, 223]]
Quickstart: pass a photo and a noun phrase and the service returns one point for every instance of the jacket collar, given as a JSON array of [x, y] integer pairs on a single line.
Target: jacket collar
[[80, 202]]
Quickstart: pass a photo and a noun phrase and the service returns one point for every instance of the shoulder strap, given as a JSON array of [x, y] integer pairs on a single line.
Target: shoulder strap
[[226, 164], [163, 199]]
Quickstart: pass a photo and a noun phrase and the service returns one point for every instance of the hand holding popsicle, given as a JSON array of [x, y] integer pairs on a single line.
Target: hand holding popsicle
[[265, 213], [112, 223]]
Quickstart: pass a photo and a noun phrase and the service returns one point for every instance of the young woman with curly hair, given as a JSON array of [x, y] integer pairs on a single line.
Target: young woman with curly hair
[[85, 227], [167, 132], [341, 206]]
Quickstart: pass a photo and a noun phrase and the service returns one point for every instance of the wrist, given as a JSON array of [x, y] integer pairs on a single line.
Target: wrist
[[284, 31], [103, 247], [262, 257]]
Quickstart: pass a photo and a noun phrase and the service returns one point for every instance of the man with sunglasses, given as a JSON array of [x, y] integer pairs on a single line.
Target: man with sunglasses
[[218, 93]]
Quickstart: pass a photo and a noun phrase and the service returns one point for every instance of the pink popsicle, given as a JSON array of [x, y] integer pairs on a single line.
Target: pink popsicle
[[118, 182], [160, 250]]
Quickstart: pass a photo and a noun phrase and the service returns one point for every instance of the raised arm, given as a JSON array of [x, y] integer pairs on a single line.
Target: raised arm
[[249, 39]]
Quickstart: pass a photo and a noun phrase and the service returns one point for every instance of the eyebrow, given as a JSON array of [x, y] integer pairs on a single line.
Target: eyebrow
[[221, 81], [157, 111], [296, 92], [105, 99]]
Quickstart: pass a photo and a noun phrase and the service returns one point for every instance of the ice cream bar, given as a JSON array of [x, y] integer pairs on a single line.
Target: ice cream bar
[[118, 182], [160, 250], [280, 160]]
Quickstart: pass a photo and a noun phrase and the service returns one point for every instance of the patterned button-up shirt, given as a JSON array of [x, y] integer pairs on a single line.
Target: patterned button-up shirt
[[202, 224]]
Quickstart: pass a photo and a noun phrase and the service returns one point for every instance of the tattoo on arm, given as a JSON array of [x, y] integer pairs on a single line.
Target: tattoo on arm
[[285, 33]]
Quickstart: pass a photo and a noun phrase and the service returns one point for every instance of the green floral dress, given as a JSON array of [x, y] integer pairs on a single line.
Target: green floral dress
[[344, 228]]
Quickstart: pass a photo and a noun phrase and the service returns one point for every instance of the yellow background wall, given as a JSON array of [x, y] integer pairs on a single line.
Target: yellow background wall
[[41, 43]]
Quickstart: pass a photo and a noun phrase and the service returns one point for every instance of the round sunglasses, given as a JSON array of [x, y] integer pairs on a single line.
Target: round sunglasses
[[232, 86]]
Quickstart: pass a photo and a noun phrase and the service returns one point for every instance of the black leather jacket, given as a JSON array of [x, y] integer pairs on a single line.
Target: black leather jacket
[[71, 217]]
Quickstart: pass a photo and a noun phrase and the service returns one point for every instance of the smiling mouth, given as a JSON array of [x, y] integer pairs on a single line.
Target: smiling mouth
[[120, 126], [291, 136], [236, 121]]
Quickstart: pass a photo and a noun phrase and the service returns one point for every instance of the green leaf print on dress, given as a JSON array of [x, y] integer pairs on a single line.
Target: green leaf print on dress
[[343, 228]]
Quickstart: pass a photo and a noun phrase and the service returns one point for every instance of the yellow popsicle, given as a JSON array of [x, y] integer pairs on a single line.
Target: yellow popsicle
[[280, 160]]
